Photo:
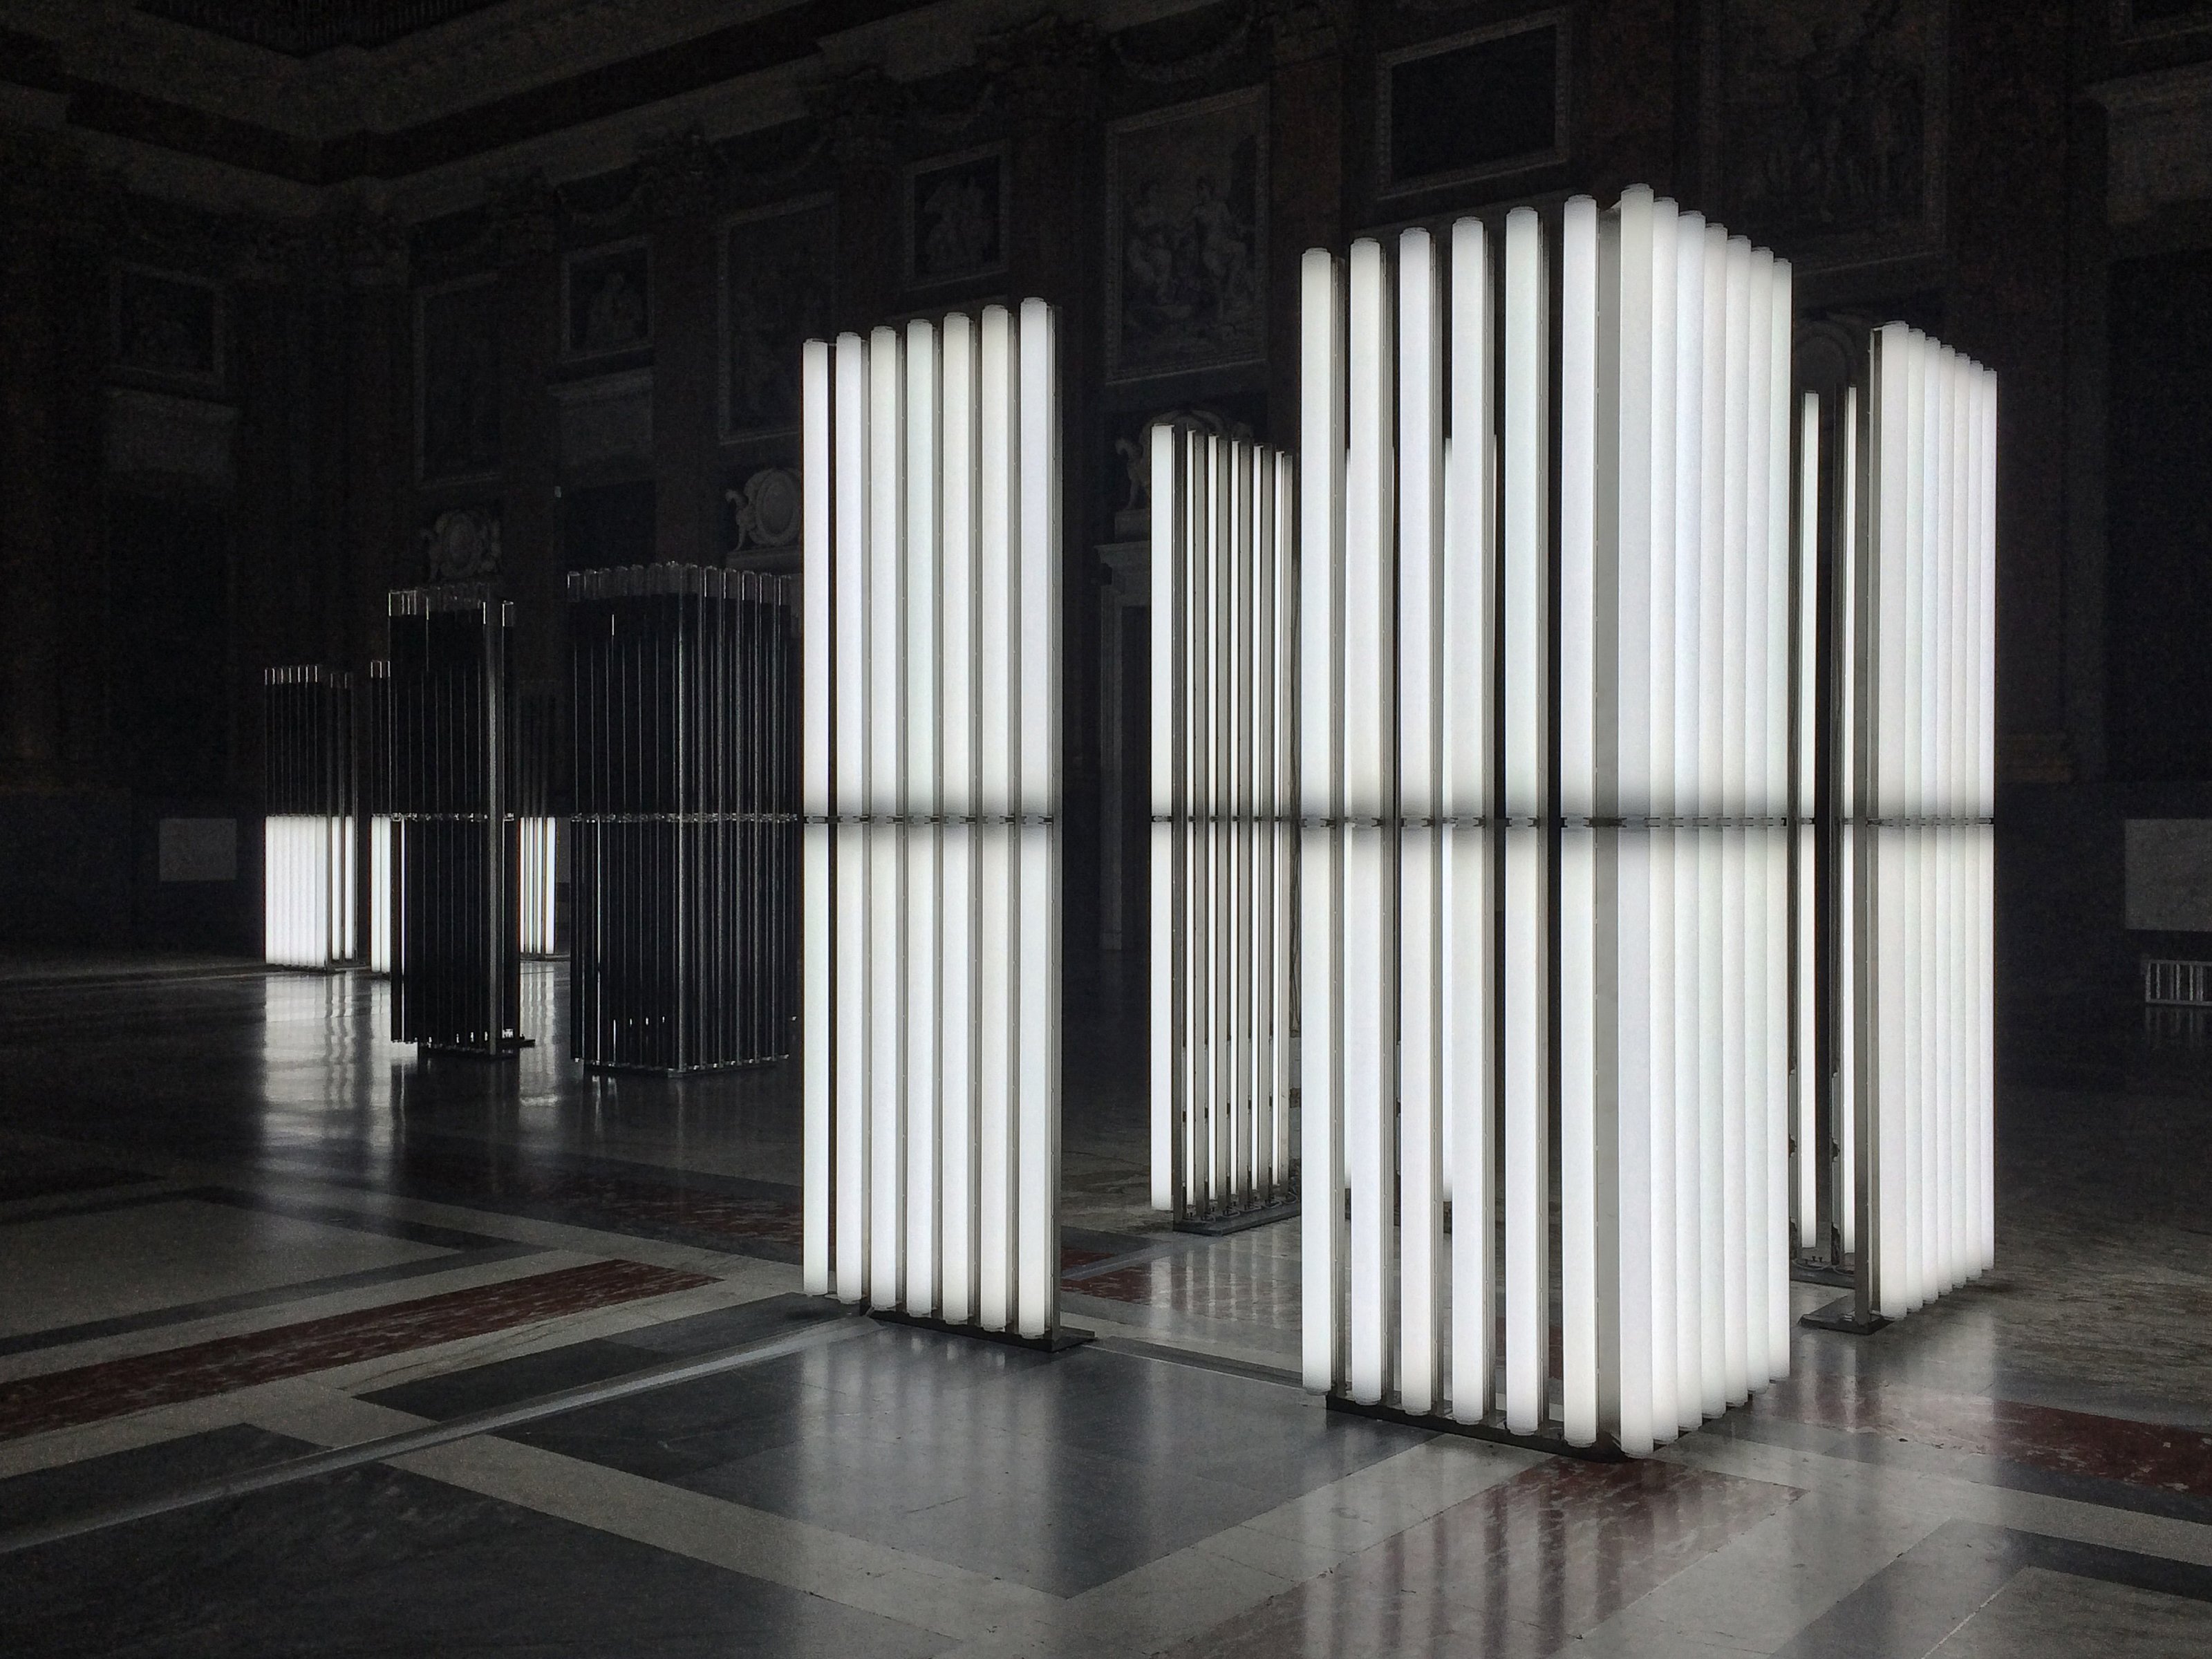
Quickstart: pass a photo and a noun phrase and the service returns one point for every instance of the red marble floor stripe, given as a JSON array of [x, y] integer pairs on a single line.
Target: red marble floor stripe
[[64, 1399], [1513, 1573], [2041, 1436]]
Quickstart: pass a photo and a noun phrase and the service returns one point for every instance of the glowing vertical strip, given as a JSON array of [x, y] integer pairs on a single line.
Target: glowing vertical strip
[[1691, 384], [1664, 926], [1469, 682], [1370, 1091], [1038, 1076], [1525, 478], [886, 563], [1985, 810], [1237, 888], [1775, 1239], [849, 795], [1285, 809], [956, 656], [996, 576], [1168, 828], [1756, 809], [1804, 732], [816, 802], [1578, 1058], [1321, 597], [1712, 1015], [1420, 559], [1845, 780], [924, 804], [1728, 670], [1621, 671]]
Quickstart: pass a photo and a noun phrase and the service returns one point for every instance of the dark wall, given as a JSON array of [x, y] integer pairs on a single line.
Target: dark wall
[[595, 369]]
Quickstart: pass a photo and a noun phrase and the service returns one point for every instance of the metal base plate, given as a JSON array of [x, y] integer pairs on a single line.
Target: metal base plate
[[1549, 1439], [1056, 1340], [1843, 1315], [507, 1050], [1219, 1227]]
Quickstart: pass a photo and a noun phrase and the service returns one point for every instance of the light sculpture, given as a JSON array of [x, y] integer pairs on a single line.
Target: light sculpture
[[308, 909], [931, 787], [1429, 550], [1916, 793], [456, 966], [1223, 819], [685, 842]]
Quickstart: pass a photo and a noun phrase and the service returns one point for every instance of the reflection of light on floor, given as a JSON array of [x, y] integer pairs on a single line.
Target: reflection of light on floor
[[2174, 1027]]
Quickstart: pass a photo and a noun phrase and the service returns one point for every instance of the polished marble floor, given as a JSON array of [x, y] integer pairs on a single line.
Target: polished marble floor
[[307, 1346]]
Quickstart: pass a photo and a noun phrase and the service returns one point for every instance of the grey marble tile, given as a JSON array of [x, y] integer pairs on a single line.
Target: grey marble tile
[[95, 1484], [374, 1561]]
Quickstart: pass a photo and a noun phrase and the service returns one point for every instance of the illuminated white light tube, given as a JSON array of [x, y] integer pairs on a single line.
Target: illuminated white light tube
[[1525, 581], [931, 772], [1731, 806], [1804, 732], [1662, 1176], [1370, 1051], [817, 803], [1037, 1018], [1692, 383], [1780, 591], [923, 807], [1321, 456], [1419, 640], [1756, 811], [1469, 681], [1578, 1060], [957, 603]]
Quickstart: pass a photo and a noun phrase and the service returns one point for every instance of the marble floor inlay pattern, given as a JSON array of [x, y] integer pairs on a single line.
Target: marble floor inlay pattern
[[319, 1347]]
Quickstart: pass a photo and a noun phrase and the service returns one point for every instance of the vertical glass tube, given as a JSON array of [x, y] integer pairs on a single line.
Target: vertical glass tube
[[849, 872], [1168, 829], [1684, 607], [957, 728], [1732, 807], [1525, 556], [1469, 684], [1369, 1091], [1321, 597], [996, 573], [924, 803], [1577, 1055], [1420, 568], [1038, 1081], [886, 562]]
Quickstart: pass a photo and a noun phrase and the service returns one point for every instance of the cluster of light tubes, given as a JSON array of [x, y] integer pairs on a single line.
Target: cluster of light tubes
[[1916, 785], [1431, 542], [1224, 823], [931, 785], [309, 911]]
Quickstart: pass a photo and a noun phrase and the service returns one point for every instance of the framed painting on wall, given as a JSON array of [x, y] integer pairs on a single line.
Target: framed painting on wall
[[1187, 237], [1825, 126], [1475, 106], [458, 386], [168, 326], [956, 217], [606, 299], [777, 267]]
